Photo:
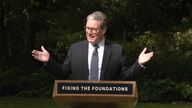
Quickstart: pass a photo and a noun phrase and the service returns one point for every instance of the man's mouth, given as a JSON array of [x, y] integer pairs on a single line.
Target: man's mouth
[[91, 36]]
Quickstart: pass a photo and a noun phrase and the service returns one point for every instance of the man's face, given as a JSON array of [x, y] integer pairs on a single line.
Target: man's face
[[94, 32]]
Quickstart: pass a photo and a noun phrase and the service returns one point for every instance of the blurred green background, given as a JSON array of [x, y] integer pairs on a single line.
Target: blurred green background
[[163, 26]]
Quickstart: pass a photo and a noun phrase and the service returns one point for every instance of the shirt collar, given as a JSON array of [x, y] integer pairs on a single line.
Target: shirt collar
[[101, 43]]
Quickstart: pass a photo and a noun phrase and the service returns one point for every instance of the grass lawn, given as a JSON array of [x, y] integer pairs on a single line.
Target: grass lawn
[[157, 105], [21, 102], [18, 102]]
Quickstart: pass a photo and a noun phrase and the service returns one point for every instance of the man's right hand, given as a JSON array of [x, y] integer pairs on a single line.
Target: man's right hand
[[42, 56]]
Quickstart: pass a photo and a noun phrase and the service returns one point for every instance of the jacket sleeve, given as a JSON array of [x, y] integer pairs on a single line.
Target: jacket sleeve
[[60, 71], [130, 72]]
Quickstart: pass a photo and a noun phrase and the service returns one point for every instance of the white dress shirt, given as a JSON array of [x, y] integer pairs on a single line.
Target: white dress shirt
[[100, 55]]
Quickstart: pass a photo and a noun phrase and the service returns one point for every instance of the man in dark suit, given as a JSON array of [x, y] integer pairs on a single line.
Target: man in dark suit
[[111, 61]]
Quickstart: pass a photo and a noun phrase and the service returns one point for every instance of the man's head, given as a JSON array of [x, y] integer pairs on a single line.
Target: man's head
[[96, 26]]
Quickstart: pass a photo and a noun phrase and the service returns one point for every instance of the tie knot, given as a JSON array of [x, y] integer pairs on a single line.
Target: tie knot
[[95, 49], [96, 46]]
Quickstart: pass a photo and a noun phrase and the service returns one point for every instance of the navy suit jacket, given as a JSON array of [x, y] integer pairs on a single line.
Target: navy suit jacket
[[114, 65]]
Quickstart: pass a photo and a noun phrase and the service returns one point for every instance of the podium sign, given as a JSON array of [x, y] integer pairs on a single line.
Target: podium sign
[[95, 93]]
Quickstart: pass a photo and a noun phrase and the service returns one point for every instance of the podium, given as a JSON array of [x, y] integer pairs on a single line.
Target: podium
[[95, 94]]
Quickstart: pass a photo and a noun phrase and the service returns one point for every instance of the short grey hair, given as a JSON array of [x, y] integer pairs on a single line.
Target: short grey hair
[[100, 16]]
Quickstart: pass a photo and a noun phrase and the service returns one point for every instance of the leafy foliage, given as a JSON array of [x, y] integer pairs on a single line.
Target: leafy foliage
[[162, 26]]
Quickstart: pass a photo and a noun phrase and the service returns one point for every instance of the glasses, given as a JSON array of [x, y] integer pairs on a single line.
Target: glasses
[[93, 30]]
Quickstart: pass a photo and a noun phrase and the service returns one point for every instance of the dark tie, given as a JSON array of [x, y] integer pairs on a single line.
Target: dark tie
[[94, 64]]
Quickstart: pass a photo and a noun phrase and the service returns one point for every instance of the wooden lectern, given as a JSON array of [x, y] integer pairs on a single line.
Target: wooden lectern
[[95, 94]]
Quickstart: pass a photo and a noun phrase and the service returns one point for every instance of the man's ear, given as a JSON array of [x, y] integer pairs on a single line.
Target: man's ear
[[104, 30]]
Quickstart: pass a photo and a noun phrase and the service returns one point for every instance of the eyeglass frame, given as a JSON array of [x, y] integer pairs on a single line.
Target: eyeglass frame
[[93, 30]]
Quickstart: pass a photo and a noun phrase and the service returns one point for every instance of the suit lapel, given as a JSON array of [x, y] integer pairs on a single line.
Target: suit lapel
[[84, 54], [106, 57]]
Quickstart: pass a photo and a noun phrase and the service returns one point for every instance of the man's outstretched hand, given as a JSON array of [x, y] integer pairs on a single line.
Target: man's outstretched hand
[[145, 57], [42, 56]]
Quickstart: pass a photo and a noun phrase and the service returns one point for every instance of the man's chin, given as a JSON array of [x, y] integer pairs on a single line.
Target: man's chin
[[91, 41]]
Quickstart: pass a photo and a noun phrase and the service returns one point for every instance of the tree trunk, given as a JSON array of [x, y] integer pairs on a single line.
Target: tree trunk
[[4, 37]]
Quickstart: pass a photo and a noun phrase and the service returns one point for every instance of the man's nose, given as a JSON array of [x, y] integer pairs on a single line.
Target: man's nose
[[89, 31]]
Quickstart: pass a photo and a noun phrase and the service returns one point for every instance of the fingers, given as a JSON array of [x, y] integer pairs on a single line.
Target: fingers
[[35, 54], [144, 56], [144, 50], [41, 55], [43, 49], [38, 53], [151, 54]]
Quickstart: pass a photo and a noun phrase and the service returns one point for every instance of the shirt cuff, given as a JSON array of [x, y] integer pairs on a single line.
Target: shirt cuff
[[142, 66]]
